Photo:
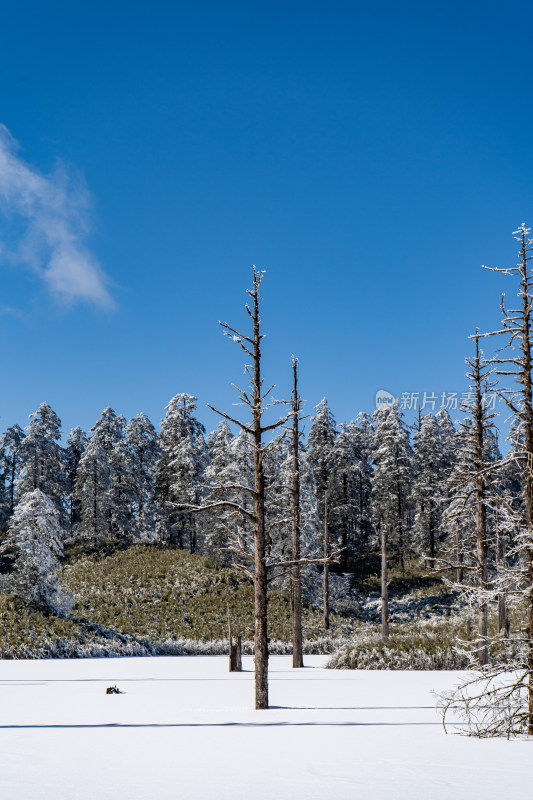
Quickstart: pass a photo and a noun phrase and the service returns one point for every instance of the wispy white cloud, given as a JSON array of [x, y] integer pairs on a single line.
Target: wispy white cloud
[[44, 220]]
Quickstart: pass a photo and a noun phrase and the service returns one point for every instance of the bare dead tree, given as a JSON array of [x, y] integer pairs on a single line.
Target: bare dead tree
[[498, 698], [261, 564], [255, 401], [296, 581], [478, 374], [517, 324]]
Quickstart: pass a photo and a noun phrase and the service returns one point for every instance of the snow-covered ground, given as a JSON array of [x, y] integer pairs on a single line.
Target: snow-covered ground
[[186, 728]]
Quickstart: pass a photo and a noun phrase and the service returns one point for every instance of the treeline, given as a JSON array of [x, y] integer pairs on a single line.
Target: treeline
[[126, 483]]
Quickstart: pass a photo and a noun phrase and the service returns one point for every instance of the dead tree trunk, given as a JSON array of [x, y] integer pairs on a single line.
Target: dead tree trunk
[[503, 618], [296, 581], [235, 649], [481, 513], [260, 569]]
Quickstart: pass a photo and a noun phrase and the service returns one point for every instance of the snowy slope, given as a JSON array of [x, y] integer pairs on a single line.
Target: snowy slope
[[185, 727]]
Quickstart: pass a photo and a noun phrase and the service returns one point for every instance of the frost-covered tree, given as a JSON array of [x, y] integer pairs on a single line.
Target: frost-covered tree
[[363, 433], [391, 486], [33, 547], [179, 469], [431, 465], [448, 435], [347, 490], [75, 447], [108, 429], [92, 494], [142, 452], [320, 441], [123, 520], [220, 469], [235, 469], [10, 462], [42, 465], [392, 476], [109, 450]]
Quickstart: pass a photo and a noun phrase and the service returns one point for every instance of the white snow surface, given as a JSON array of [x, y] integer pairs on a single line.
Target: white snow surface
[[185, 727]]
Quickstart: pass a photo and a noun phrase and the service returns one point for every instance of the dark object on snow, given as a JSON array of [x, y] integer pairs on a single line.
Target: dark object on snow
[[235, 650], [112, 690], [235, 655]]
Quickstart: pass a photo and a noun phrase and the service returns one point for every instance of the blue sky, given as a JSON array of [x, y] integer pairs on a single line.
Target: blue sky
[[369, 157]]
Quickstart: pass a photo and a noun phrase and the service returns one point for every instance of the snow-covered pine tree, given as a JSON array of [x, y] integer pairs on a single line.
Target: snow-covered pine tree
[[345, 484], [143, 453], [431, 464], [41, 455], [180, 469], [391, 487], [235, 530], [220, 469], [123, 494], [108, 433], [449, 434], [4, 504], [75, 447], [92, 494], [10, 460], [392, 477], [320, 441], [33, 547], [108, 429], [363, 433]]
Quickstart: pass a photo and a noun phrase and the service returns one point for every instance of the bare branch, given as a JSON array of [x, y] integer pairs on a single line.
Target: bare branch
[[231, 419]]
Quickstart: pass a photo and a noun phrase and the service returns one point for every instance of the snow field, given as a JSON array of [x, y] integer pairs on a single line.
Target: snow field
[[185, 727]]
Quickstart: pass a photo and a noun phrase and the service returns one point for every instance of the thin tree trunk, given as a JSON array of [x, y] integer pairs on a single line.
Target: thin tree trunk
[[344, 531], [296, 581], [431, 534], [400, 515], [192, 534], [384, 587], [326, 565], [362, 542], [481, 514], [459, 545], [503, 622], [12, 487]]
